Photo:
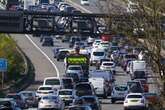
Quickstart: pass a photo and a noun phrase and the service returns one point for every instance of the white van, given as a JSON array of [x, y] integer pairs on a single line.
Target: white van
[[97, 55], [55, 82], [137, 67], [99, 85]]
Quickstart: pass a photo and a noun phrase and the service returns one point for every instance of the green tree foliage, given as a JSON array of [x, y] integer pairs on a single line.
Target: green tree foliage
[[8, 50]]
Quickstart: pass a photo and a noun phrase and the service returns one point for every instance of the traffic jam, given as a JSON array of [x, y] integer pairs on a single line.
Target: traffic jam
[[91, 65]]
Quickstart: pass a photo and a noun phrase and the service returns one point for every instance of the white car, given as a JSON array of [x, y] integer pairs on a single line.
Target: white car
[[74, 69], [104, 45], [67, 95], [90, 40], [55, 82], [97, 55], [100, 86], [135, 100], [51, 102], [96, 43], [84, 2], [118, 93], [108, 66], [45, 90]]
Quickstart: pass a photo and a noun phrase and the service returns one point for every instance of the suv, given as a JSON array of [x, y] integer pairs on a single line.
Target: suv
[[67, 82], [84, 88]]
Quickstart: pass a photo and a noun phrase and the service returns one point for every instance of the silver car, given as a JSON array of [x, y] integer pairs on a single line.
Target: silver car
[[118, 93], [51, 102], [67, 95]]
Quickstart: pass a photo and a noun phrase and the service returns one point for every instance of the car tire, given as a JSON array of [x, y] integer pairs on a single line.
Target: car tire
[[113, 101]]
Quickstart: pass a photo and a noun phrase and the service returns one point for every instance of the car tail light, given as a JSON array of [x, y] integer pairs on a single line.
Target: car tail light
[[126, 101]]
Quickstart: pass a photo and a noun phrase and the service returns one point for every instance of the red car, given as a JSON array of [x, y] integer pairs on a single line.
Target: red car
[[106, 37]]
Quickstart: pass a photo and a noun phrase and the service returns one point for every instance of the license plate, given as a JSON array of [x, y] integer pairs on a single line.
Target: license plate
[[134, 100]]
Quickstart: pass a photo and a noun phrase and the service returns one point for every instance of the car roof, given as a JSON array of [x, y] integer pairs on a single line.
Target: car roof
[[26, 92], [52, 78], [74, 66], [45, 86], [108, 62], [64, 49], [65, 90]]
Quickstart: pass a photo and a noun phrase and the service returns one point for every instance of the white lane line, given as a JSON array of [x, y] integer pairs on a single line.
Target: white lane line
[[79, 6], [53, 64]]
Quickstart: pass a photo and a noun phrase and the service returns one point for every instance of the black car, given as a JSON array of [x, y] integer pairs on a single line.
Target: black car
[[74, 76], [62, 54], [67, 82], [135, 87], [56, 51], [48, 41]]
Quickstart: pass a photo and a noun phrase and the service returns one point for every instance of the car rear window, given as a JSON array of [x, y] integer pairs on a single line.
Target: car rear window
[[108, 64], [83, 87], [78, 108], [74, 68], [28, 94], [134, 96], [121, 88], [98, 53], [89, 100], [45, 88], [65, 92], [67, 81], [52, 82]]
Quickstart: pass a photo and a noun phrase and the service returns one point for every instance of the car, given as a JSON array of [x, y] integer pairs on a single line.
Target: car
[[108, 66], [84, 2], [55, 82], [51, 102], [153, 98], [118, 93], [96, 55], [90, 100], [108, 77], [64, 38], [67, 95], [144, 84], [62, 54], [84, 88], [56, 51], [104, 45], [67, 82], [90, 40], [103, 60], [44, 90], [68, 9], [30, 97], [74, 69], [72, 41], [19, 99], [135, 101], [48, 41], [100, 86], [82, 45], [8, 104], [135, 87], [75, 76], [96, 43]]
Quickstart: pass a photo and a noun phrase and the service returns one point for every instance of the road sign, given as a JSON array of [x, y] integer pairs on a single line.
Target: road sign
[[3, 65]]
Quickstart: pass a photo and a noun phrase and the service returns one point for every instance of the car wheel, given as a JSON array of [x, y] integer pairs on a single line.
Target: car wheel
[[113, 101]]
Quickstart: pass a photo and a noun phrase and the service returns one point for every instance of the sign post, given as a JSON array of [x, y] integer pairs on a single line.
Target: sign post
[[3, 69]]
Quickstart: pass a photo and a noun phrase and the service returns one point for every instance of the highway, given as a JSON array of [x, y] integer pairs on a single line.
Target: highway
[[45, 65]]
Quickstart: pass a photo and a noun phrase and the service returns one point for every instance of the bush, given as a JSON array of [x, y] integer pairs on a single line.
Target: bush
[[8, 50]]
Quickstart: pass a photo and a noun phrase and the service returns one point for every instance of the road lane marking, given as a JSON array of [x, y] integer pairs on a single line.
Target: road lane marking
[[53, 64]]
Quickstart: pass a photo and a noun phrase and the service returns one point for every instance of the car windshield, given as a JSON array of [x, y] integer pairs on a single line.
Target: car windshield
[[134, 96], [74, 68], [98, 53], [121, 88], [108, 64], [45, 88], [65, 92], [52, 82]]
